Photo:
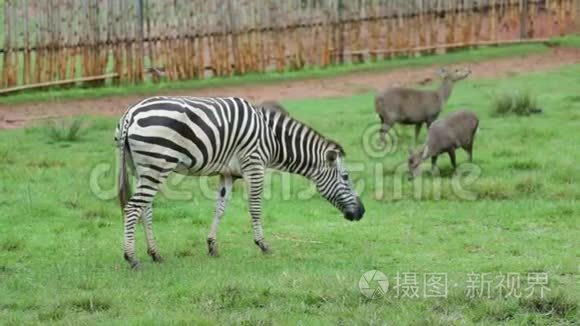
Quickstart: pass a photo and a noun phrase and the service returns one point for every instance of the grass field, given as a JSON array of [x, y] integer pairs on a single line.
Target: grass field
[[60, 246]]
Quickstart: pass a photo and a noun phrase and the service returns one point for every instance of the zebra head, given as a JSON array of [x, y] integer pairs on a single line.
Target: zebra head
[[333, 183]]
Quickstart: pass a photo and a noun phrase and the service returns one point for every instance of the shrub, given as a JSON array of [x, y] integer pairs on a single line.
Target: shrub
[[6, 156], [65, 131], [92, 305], [518, 103], [556, 305], [11, 244]]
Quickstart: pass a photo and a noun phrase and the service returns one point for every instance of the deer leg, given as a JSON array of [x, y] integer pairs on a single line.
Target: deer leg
[[469, 149], [452, 158], [383, 133], [417, 131], [433, 162]]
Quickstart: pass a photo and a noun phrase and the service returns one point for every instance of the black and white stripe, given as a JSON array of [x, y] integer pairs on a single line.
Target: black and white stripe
[[226, 137]]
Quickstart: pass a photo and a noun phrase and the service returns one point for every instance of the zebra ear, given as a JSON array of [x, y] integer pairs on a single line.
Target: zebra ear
[[331, 156]]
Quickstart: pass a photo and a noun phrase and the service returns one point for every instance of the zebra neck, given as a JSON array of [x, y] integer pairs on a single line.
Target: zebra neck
[[298, 148]]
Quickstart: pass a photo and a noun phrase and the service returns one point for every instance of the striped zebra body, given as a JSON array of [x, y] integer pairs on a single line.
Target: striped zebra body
[[168, 128], [226, 137]]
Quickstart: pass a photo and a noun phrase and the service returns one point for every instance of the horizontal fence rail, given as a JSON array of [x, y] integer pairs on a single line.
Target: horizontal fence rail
[[94, 42]]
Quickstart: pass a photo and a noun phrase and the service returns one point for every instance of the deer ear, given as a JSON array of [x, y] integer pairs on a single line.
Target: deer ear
[[331, 156], [443, 71]]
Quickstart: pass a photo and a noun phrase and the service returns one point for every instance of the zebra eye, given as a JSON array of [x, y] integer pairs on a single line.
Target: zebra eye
[[345, 177]]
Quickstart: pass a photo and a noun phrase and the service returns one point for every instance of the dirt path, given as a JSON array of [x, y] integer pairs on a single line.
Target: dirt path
[[19, 115]]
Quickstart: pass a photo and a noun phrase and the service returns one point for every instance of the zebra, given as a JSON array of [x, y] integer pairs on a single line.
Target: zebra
[[225, 136]]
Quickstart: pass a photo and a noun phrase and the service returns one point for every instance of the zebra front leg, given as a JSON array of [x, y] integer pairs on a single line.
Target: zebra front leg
[[254, 176], [223, 194], [149, 236]]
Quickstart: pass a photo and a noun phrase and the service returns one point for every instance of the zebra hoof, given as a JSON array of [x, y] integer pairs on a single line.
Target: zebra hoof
[[157, 258], [264, 247], [134, 263], [212, 248], [213, 252]]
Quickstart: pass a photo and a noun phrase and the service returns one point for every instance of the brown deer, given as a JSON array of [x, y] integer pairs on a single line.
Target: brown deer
[[414, 107], [444, 136], [273, 106]]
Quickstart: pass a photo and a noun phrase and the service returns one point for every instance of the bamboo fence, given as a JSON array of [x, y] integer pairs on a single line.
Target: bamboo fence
[[93, 42]]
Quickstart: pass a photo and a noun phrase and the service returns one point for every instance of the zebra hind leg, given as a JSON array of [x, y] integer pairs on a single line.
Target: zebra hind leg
[[149, 236], [132, 212], [224, 190], [254, 176], [149, 182]]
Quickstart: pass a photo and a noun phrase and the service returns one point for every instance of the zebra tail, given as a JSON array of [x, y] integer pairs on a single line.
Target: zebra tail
[[124, 190]]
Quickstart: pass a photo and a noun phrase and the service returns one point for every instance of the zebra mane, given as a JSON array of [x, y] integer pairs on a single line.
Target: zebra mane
[[338, 147], [285, 117]]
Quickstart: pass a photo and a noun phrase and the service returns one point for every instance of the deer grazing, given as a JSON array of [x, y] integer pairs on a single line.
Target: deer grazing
[[444, 136], [415, 107]]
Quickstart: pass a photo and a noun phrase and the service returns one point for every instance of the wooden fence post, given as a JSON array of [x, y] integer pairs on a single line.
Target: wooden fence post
[[140, 41], [576, 16], [524, 19], [232, 31], [340, 8]]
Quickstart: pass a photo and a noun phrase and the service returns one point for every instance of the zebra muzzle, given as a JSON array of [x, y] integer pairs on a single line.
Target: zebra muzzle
[[357, 213]]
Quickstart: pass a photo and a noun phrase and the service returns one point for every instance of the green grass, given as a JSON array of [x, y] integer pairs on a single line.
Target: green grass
[[572, 40], [60, 246], [473, 55], [521, 103], [64, 130]]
